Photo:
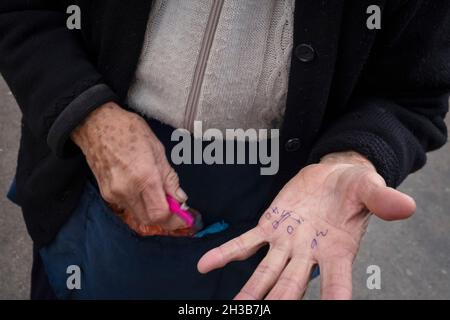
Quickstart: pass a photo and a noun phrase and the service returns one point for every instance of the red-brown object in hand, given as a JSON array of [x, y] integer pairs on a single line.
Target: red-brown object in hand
[[154, 230]]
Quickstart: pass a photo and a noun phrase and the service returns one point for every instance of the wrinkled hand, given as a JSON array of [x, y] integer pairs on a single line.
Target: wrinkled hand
[[130, 165], [319, 217]]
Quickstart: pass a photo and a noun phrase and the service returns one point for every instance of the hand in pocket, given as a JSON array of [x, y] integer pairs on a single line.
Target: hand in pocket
[[130, 166]]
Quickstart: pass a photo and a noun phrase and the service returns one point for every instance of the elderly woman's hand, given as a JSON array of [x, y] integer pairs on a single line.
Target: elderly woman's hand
[[130, 165], [319, 217]]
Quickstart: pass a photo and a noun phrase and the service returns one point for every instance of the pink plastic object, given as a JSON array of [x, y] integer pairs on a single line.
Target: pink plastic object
[[175, 208]]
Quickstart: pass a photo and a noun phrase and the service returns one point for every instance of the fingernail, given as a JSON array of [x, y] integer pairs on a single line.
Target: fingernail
[[181, 195]]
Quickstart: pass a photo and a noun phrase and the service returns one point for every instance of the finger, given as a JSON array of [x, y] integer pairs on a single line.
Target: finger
[[336, 279], [293, 281], [171, 183], [386, 203], [239, 248], [265, 275], [159, 213], [137, 208]]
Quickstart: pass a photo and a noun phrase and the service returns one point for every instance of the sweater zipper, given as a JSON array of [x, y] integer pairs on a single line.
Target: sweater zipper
[[200, 67]]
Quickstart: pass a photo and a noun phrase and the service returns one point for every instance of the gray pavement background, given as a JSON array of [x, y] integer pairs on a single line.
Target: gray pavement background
[[414, 255]]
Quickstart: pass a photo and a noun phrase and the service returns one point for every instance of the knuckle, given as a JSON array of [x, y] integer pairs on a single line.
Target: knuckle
[[240, 245], [107, 196], [370, 178], [116, 190], [159, 216], [172, 178], [150, 183], [286, 281], [143, 179], [264, 229], [266, 269], [133, 178], [291, 283], [139, 174]]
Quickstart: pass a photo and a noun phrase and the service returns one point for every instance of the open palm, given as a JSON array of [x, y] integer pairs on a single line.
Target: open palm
[[319, 217]]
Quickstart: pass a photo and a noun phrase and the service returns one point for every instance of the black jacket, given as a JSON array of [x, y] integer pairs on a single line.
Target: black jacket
[[383, 93]]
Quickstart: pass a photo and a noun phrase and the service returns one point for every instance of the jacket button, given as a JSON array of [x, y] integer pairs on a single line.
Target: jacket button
[[305, 53], [292, 145]]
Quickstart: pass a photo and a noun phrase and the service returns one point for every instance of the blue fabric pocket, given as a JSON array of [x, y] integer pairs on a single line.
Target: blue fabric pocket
[[116, 263]]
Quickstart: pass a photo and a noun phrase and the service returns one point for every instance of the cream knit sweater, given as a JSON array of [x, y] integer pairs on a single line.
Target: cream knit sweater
[[224, 62]]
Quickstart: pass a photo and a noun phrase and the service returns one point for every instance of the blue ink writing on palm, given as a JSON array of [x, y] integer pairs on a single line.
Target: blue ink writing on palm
[[315, 241]]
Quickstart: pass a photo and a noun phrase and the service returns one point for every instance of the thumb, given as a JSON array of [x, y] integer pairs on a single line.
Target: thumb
[[386, 203]]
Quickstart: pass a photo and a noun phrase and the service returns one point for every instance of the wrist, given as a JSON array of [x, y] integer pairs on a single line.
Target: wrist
[[93, 123], [347, 157]]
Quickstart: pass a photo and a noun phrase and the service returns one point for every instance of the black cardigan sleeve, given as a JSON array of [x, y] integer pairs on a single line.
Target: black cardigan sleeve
[[47, 70], [397, 112]]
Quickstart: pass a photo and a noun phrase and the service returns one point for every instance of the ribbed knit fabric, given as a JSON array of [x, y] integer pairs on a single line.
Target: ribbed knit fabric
[[246, 77]]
